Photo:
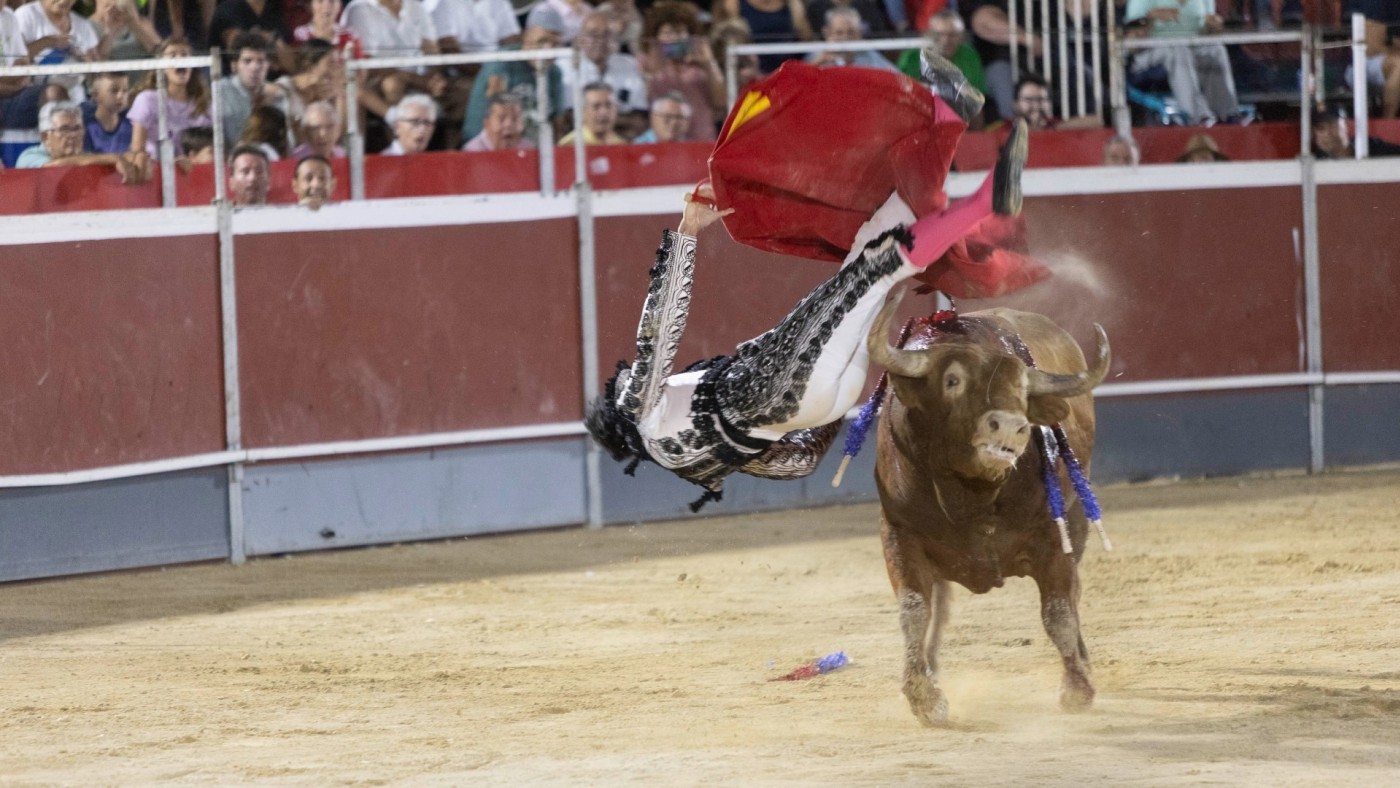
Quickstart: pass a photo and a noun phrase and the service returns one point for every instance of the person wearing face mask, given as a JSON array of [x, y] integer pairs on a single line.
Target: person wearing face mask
[[248, 176], [313, 182], [186, 105], [679, 60]]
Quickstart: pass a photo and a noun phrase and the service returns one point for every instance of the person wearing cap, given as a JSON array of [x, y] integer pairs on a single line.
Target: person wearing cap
[[520, 79], [1332, 140], [1201, 149]]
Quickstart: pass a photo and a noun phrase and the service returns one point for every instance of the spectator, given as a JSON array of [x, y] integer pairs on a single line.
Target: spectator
[[53, 33], [247, 88], [413, 120], [267, 129], [1332, 140], [475, 25], [874, 18], [947, 36], [396, 28], [1201, 149], [732, 32], [566, 15], [670, 120], [1121, 152], [61, 132], [992, 36], [601, 62], [599, 117], [198, 144], [319, 76], [232, 17], [248, 176], [20, 99], [518, 78], [106, 127], [769, 21], [1382, 55], [843, 24], [313, 182], [679, 60], [187, 102], [127, 34], [626, 23], [320, 130], [325, 26], [504, 127], [1034, 104], [1199, 76]]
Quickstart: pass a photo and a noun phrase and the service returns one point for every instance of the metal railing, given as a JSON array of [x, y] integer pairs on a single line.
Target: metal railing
[[355, 143], [731, 54], [165, 149], [1061, 33]]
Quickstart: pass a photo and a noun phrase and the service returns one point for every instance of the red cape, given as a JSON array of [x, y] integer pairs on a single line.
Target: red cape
[[832, 144]]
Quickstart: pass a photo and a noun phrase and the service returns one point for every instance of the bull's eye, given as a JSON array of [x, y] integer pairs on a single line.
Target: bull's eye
[[951, 382]]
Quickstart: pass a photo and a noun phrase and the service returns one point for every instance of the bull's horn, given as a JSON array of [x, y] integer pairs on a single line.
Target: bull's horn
[[908, 363], [1060, 385]]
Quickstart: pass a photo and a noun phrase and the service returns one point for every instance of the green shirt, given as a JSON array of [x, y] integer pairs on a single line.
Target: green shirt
[[965, 58]]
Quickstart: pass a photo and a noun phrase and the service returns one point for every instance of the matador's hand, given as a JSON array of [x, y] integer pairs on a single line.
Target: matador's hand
[[700, 211]]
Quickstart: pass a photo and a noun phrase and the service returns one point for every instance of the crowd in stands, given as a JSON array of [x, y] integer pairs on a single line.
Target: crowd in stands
[[651, 71]]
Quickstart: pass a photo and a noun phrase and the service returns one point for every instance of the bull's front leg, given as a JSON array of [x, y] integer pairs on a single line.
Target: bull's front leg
[[923, 613], [1059, 611], [922, 616]]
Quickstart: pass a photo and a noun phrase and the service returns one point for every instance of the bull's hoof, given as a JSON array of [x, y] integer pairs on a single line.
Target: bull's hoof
[[928, 703], [1076, 694]]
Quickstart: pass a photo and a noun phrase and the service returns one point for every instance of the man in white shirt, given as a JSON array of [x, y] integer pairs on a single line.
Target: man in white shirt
[[20, 99], [601, 62], [475, 25], [53, 33]]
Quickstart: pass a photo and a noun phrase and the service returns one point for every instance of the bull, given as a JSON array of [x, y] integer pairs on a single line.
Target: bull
[[962, 497]]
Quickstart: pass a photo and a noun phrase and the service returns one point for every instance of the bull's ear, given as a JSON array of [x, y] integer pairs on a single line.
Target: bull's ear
[[1046, 410]]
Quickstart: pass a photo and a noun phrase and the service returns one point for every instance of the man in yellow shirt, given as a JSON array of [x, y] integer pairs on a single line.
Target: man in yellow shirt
[[599, 117]]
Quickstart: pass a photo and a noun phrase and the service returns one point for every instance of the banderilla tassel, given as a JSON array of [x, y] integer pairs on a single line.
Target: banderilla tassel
[[855, 434], [1053, 495], [1082, 487]]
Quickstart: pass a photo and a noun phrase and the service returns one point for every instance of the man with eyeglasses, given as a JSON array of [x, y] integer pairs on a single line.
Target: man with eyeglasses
[[670, 120], [1034, 104], [413, 120], [61, 134]]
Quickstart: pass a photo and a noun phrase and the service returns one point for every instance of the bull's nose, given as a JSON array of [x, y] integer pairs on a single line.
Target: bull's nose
[[1004, 424]]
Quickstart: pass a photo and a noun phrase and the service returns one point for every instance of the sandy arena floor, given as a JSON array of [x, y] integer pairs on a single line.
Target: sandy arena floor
[[1245, 632]]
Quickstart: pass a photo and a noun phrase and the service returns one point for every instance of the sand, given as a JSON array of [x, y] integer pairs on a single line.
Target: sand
[[1244, 632]]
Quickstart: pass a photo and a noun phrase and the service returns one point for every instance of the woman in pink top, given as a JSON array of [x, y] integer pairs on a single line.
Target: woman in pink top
[[678, 58], [186, 104]]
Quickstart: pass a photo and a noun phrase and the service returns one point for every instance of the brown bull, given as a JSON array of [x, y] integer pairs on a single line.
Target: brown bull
[[961, 493]]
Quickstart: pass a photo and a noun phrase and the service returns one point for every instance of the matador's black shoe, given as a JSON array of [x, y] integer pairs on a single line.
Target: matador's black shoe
[[1006, 179], [949, 84]]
